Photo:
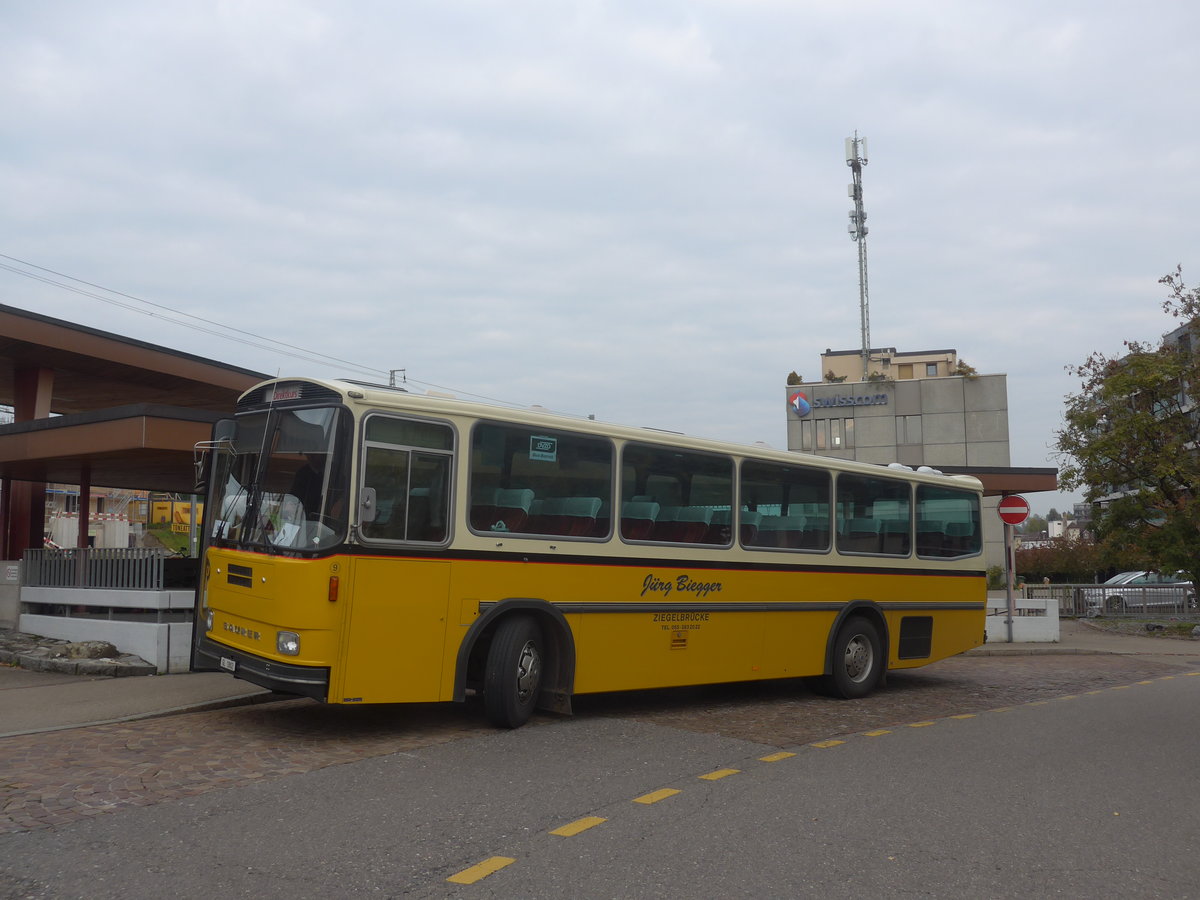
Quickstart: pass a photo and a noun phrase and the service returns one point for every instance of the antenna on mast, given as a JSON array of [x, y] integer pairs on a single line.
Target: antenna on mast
[[856, 158]]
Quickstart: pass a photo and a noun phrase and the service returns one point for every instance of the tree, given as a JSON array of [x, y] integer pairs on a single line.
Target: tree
[[1130, 439], [794, 378], [1034, 525]]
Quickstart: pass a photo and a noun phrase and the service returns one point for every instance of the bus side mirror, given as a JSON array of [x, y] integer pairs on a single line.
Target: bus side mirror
[[366, 506], [202, 461], [223, 432]]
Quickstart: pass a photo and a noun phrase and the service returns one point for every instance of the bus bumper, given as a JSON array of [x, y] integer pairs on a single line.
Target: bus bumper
[[285, 678]]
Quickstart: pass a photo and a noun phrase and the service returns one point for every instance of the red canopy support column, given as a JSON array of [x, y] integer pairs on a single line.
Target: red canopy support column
[[26, 520]]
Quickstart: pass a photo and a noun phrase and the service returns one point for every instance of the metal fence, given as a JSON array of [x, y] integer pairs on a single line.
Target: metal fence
[[133, 568], [1139, 601]]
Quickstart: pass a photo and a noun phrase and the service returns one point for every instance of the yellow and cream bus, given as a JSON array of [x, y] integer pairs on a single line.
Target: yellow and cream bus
[[370, 545]]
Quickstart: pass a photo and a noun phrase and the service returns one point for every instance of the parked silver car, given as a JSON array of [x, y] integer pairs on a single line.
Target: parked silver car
[[1142, 591]]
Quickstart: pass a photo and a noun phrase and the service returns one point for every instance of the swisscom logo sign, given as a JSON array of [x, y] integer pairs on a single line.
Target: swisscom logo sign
[[802, 406]]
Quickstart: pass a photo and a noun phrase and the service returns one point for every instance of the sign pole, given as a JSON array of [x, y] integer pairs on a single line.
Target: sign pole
[[1010, 564], [1013, 510]]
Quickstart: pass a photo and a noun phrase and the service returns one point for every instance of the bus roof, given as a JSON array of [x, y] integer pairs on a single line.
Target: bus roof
[[362, 394]]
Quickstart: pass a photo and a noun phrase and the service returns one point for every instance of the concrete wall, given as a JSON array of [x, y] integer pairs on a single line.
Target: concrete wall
[[1036, 621], [167, 645], [10, 593]]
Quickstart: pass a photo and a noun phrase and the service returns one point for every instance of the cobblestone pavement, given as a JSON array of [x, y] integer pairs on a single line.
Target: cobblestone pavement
[[56, 778]]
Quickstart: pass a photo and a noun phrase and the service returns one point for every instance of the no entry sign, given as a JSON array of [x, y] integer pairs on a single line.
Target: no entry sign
[[1013, 510]]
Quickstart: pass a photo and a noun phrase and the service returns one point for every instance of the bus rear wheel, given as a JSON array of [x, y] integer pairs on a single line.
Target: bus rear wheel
[[857, 660], [513, 675]]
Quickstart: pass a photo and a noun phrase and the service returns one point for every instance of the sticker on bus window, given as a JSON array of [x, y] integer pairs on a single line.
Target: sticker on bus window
[[544, 449]]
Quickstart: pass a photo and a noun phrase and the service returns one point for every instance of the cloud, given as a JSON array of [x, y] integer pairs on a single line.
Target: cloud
[[631, 209]]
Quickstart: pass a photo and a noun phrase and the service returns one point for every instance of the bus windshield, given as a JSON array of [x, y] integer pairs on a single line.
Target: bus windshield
[[281, 484]]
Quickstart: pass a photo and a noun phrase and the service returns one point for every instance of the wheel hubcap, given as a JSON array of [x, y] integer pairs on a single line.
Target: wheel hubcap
[[859, 658], [529, 670]]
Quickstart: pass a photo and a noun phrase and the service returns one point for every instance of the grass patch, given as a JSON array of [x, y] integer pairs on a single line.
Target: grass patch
[[174, 541]]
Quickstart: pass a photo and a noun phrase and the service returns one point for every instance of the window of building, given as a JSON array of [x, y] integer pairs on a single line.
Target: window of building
[[908, 429], [931, 369]]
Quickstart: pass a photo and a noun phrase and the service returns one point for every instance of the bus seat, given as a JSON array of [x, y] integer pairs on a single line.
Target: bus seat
[[571, 516], [960, 537], [781, 531], [896, 540], [719, 531], [748, 524], [683, 524], [931, 538], [508, 510], [637, 519], [861, 535]]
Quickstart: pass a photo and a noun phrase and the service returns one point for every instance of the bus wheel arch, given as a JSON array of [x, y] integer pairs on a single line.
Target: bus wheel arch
[[554, 643], [856, 652]]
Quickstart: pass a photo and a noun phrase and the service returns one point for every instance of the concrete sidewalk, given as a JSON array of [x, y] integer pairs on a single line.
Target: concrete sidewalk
[[47, 701], [43, 701], [1077, 636]]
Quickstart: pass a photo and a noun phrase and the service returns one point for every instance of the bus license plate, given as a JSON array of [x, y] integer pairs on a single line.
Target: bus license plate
[[228, 664]]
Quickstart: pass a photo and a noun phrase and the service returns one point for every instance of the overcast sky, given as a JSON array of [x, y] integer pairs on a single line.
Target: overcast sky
[[631, 209]]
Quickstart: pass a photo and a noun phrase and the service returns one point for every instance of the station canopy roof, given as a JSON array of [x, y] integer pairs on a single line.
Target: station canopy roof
[[124, 413]]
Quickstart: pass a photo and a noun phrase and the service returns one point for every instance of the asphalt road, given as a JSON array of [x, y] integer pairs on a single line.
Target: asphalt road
[[1085, 792]]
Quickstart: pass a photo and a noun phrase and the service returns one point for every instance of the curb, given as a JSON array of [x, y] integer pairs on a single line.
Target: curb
[[41, 654]]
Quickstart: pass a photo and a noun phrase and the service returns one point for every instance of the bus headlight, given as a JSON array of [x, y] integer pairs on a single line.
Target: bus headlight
[[287, 643], [208, 619]]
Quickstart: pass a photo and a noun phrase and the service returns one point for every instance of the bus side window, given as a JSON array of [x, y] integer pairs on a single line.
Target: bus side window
[[947, 522], [407, 463], [534, 481], [874, 515], [789, 507], [672, 496]]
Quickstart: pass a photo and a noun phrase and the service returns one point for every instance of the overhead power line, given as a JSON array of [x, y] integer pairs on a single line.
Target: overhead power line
[[217, 329]]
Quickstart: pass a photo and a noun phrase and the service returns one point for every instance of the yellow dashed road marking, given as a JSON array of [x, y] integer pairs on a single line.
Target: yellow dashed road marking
[[655, 796], [920, 724], [578, 825], [481, 870], [877, 733], [776, 757], [719, 774], [826, 744], [964, 716]]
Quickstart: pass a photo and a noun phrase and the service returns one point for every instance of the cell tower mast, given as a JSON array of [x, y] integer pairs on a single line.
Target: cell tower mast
[[856, 158]]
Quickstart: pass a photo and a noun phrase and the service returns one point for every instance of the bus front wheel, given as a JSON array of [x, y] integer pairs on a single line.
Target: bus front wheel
[[857, 660], [513, 674]]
